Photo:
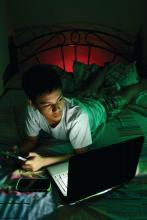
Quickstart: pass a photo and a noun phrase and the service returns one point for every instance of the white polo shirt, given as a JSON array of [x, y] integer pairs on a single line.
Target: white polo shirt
[[79, 121]]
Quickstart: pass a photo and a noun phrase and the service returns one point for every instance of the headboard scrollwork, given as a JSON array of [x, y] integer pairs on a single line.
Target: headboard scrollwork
[[61, 46]]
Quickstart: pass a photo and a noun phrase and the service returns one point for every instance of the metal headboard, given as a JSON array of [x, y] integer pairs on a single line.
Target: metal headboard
[[30, 43]]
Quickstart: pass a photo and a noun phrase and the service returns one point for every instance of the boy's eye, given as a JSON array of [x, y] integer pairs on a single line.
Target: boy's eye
[[51, 105], [45, 106], [61, 99]]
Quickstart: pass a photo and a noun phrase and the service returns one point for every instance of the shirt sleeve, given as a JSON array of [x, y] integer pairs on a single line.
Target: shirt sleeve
[[80, 134], [32, 127]]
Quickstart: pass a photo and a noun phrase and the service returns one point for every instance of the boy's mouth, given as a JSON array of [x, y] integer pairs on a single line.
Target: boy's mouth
[[57, 114]]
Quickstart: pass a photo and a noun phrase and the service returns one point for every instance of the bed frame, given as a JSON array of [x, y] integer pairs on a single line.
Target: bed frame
[[61, 45]]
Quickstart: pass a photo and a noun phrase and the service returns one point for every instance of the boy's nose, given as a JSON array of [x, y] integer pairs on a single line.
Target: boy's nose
[[54, 108]]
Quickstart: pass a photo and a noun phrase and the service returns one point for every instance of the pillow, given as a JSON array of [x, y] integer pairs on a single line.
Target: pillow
[[139, 103], [82, 72], [67, 79], [141, 99], [121, 75], [108, 79]]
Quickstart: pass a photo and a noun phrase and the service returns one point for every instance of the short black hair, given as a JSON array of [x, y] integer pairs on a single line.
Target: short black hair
[[39, 79]]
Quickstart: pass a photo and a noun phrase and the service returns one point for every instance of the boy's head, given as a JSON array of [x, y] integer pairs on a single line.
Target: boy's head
[[39, 80]]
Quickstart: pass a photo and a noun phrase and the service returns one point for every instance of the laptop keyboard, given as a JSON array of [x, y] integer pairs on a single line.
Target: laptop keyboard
[[62, 179]]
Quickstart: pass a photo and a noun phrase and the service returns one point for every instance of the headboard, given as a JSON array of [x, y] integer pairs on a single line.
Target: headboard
[[61, 45]]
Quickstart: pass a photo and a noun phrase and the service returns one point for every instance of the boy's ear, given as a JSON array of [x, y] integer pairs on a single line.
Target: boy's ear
[[32, 104]]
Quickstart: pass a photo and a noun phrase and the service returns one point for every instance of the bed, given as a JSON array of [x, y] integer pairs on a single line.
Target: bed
[[77, 51]]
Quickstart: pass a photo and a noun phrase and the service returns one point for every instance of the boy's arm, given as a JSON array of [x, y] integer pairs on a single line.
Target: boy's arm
[[81, 150], [55, 159], [36, 161]]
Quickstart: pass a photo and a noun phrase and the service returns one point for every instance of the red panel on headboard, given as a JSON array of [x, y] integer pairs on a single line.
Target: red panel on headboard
[[99, 56], [69, 57], [51, 57], [54, 56], [82, 54], [70, 54], [61, 48]]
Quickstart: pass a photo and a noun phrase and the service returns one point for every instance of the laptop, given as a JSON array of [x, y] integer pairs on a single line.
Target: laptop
[[96, 171]]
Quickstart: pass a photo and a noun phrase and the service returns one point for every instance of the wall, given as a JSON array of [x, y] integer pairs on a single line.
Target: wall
[[126, 15], [4, 58]]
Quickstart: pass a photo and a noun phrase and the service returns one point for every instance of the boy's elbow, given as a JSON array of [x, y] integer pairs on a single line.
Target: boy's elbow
[[81, 150]]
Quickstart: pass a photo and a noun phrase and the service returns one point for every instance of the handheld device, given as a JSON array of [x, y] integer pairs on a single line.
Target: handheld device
[[12, 155], [33, 185]]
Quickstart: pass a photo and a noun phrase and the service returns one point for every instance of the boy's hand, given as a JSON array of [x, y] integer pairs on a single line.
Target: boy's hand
[[34, 162]]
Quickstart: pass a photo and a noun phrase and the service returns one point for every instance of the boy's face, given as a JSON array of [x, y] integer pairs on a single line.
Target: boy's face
[[50, 105]]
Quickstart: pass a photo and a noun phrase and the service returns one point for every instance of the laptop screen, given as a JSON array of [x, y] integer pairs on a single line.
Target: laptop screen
[[103, 168]]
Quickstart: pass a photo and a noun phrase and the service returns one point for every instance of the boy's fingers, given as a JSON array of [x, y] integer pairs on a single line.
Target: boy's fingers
[[26, 167], [32, 154]]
